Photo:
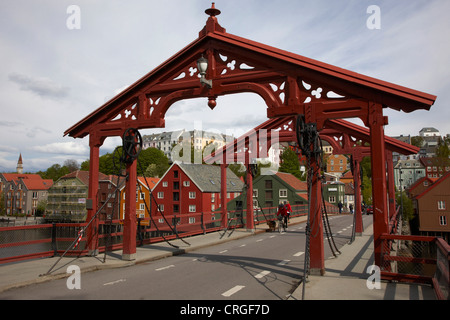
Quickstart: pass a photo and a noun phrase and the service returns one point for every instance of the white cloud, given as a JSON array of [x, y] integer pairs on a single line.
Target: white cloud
[[65, 148], [43, 87]]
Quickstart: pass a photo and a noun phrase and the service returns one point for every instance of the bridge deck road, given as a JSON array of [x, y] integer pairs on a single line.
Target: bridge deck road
[[266, 266]]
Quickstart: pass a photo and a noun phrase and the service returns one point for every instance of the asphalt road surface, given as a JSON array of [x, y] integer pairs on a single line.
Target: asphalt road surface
[[266, 266]]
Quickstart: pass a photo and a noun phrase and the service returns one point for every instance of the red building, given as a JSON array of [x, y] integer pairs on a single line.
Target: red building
[[191, 192]]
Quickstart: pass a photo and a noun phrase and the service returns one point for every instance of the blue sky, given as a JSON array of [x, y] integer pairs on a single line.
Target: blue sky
[[52, 76]]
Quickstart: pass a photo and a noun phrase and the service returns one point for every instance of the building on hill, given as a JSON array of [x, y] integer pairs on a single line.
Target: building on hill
[[429, 132], [434, 167], [198, 139], [407, 172], [337, 164]]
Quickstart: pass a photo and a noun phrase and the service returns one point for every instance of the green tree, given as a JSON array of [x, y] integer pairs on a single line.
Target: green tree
[[406, 205], [54, 172], [366, 184], [443, 150], [109, 163], [417, 141], [290, 163]]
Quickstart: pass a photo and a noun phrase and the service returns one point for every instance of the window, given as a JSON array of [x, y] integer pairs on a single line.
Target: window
[[161, 207], [142, 206], [213, 197], [165, 183], [268, 184], [192, 208], [191, 220], [142, 196], [176, 208], [186, 183], [176, 196], [269, 194], [283, 193], [160, 195], [441, 205], [332, 199], [176, 185], [213, 207], [443, 220], [175, 173], [191, 194], [255, 193]]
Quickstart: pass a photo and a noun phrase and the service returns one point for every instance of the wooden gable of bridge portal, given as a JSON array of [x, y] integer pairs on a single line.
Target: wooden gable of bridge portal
[[286, 81], [290, 84]]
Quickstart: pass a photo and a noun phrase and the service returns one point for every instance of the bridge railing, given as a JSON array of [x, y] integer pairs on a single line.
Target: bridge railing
[[419, 259], [54, 239]]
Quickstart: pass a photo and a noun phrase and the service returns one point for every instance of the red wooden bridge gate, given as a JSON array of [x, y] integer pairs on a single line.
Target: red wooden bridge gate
[[289, 84]]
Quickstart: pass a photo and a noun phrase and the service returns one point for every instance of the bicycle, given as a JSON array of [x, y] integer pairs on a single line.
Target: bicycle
[[281, 223]]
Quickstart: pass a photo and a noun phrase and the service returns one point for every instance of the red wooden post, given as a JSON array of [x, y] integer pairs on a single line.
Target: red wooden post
[[223, 194], [379, 190], [129, 225], [391, 183], [92, 230], [358, 214]]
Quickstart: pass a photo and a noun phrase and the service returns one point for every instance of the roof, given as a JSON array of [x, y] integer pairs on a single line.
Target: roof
[[291, 180], [36, 184], [83, 176], [17, 176], [208, 177], [150, 181], [213, 36], [429, 129], [420, 181], [434, 185]]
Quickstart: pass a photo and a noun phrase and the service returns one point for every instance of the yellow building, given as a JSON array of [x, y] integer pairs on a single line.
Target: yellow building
[[142, 198]]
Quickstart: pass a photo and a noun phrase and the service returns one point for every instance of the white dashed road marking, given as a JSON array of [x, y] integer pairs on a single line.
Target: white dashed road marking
[[232, 291]]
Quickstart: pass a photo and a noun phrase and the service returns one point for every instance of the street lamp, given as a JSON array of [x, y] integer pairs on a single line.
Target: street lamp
[[202, 65]]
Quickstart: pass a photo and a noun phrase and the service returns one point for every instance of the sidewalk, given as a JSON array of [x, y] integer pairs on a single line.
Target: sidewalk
[[14, 275], [346, 278]]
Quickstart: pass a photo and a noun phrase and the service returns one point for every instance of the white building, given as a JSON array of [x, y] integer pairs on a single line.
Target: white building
[[429, 132]]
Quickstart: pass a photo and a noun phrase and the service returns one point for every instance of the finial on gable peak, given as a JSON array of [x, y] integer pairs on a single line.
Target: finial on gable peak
[[212, 25], [212, 12]]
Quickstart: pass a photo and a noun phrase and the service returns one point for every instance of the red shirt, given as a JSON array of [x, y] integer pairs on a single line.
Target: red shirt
[[282, 211]]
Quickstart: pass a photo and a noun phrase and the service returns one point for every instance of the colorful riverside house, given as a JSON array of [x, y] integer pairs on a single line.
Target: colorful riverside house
[[271, 190], [190, 193], [67, 197], [144, 186]]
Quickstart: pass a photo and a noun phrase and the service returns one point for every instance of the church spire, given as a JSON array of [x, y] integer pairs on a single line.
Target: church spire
[[19, 168]]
